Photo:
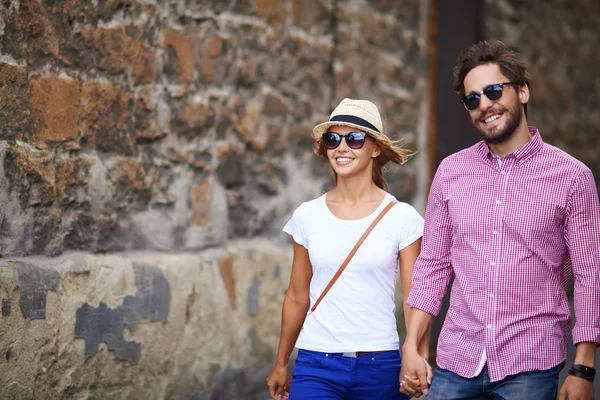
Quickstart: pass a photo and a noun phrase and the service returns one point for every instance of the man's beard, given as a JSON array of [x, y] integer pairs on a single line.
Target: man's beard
[[513, 119]]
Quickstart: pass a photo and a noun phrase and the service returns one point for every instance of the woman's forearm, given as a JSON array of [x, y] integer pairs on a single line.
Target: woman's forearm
[[292, 318]]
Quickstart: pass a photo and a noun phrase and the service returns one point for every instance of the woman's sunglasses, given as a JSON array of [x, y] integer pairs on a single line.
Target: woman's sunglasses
[[354, 140], [492, 92]]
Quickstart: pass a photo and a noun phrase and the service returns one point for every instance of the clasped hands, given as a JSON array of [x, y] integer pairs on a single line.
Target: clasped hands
[[415, 375]]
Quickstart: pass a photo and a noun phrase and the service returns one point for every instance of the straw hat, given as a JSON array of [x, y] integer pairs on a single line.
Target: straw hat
[[359, 114]]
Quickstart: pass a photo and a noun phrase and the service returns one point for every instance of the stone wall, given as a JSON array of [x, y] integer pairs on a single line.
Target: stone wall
[[177, 126], [142, 325], [559, 41], [150, 152]]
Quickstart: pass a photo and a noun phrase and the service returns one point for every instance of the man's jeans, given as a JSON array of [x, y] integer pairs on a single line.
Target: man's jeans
[[538, 385], [329, 376]]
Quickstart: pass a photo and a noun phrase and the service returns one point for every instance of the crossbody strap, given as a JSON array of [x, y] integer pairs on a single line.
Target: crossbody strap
[[354, 250]]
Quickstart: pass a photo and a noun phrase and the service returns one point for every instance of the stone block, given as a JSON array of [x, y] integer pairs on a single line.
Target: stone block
[[106, 117], [210, 69], [55, 107], [80, 229], [29, 32], [71, 174], [113, 50], [29, 222], [15, 105], [183, 49], [247, 119], [230, 171], [201, 202], [130, 173], [270, 176], [309, 14], [49, 238], [273, 10], [244, 213], [31, 174], [149, 123], [43, 41], [14, 34], [194, 120], [275, 105]]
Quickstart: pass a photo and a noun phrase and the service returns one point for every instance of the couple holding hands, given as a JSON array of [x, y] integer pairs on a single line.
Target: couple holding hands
[[511, 218]]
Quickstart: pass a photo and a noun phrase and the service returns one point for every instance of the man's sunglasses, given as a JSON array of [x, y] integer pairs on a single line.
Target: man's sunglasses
[[354, 140], [492, 92]]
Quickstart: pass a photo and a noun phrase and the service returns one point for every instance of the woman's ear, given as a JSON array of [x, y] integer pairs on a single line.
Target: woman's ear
[[376, 152]]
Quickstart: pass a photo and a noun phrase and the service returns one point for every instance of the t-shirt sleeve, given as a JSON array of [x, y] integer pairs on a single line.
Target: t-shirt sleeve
[[296, 229], [411, 228]]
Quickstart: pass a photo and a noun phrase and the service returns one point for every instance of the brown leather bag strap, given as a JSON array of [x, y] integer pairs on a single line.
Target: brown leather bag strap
[[354, 250]]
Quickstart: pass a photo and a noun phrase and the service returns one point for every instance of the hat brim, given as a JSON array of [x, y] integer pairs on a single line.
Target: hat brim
[[320, 129]]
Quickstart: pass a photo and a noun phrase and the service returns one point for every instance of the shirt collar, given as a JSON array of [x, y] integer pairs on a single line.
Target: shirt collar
[[527, 150]]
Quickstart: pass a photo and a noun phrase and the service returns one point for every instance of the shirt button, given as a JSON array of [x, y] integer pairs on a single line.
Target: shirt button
[[503, 172], [498, 201], [493, 264], [491, 294], [495, 232], [489, 326]]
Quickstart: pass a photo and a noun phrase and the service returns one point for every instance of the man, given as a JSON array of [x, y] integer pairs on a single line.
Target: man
[[512, 218]]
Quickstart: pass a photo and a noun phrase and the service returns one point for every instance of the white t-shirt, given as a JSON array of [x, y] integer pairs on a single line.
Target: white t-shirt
[[358, 313]]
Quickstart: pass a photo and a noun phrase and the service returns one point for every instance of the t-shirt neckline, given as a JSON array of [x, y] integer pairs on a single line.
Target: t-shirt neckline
[[380, 207]]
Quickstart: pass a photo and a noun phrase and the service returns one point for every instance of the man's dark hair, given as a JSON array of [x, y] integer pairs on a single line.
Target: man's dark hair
[[490, 52]]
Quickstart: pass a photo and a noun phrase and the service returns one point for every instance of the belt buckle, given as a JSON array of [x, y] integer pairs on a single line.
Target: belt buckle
[[351, 354]]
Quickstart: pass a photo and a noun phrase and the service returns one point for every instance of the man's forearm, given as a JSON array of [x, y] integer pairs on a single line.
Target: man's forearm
[[585, 354], [417, 328], [424, 344]]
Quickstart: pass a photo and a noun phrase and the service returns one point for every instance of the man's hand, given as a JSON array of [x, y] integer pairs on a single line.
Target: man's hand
[[576, 388], [276, 382], [415, 375]]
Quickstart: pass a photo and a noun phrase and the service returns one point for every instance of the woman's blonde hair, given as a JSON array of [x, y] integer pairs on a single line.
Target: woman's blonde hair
[[389, 151]]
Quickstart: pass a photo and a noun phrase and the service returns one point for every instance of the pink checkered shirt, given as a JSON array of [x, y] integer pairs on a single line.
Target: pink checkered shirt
[[513, 232]]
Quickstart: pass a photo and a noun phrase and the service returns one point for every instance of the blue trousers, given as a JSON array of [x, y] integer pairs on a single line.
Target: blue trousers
[[331, 376], [538, 385]]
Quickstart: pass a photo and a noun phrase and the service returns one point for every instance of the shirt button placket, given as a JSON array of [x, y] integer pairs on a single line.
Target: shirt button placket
[[495, 249]]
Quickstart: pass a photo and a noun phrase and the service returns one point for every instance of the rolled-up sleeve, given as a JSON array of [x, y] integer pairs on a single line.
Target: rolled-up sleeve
[[582, 235], [433, 268]]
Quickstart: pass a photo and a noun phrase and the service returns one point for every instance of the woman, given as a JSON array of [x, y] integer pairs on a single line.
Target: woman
[[349, 346]]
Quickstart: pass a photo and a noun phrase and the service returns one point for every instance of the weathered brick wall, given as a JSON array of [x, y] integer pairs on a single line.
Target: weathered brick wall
[[559, 40], [179, 125], [169, 135]]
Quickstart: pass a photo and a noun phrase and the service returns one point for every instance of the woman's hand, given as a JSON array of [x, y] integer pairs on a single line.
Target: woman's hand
[[416, 374], [276, 382]]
